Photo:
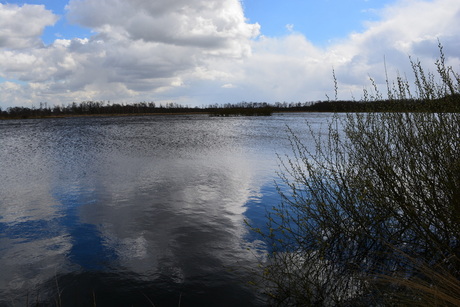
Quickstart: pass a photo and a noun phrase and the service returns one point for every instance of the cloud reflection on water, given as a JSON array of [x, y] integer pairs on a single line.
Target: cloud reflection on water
[[155, 200]]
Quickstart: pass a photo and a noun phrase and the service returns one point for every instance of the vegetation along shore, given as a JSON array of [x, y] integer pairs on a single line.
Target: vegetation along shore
[[448, 103], [371, 217]]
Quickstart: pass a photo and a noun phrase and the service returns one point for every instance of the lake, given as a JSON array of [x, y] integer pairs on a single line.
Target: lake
[[137, 211]]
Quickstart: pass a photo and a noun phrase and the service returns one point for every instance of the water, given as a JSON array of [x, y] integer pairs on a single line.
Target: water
[[136, 211]]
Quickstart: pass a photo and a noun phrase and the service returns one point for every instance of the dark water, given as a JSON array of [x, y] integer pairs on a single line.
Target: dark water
[[136, 211]]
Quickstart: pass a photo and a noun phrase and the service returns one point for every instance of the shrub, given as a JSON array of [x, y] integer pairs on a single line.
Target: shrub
[[372, 215]]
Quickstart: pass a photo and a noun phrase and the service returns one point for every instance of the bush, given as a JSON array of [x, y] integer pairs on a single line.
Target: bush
[[372, 216]]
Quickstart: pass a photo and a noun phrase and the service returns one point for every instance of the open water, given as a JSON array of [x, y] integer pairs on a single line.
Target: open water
[[137, 211]]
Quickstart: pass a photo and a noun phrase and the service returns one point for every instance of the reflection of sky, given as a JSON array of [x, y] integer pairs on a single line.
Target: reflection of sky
[[256, 209], [174, 211], [163, 196], [83, 244], [88, 249], [257, 212]]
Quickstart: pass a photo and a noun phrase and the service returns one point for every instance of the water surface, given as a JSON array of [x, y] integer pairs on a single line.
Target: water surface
[[136, 210]]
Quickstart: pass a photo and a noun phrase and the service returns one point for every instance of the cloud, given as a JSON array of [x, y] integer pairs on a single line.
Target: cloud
[[279, 70], [21, 27], [291, 68], [198, 52], [410, 28], [139, 47], [212, 25]]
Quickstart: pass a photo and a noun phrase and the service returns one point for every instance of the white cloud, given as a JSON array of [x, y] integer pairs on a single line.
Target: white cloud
[[140, 47], [280, 69], [20, 27], [292, 69], [207, 24], [199, 52], [409, 28]]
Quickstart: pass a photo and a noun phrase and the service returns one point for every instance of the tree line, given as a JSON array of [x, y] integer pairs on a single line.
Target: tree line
[[448, 103]]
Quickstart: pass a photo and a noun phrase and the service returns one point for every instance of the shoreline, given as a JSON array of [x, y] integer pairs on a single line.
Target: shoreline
[[210, 113], [103, 115]]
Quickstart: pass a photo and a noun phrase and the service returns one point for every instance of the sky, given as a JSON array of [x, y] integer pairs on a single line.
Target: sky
[[201, 52]]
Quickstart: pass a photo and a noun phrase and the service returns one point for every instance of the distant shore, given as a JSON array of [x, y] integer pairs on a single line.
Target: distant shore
[[449, 103], [102, 115]]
